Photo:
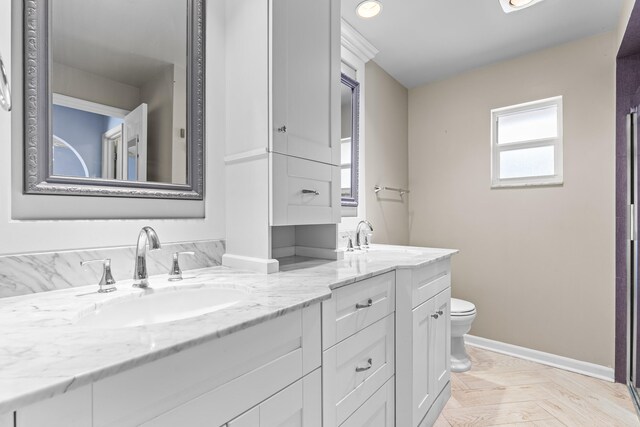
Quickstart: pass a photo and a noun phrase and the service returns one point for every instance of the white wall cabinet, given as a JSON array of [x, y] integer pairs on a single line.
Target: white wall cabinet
[[306, 79], [304, 191], [283, 124]]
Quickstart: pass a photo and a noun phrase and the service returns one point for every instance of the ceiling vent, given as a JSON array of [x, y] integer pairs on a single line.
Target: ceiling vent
[[514, 5]]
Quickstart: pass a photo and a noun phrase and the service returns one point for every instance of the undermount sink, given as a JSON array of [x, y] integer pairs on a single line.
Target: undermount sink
[[152, 307]]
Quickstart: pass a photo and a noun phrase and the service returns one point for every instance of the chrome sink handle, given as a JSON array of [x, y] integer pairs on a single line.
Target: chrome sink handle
[[107, 282], [5, 91], [175, 273]]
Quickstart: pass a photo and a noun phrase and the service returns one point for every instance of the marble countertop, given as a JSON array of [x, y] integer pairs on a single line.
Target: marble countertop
[[44, 351]]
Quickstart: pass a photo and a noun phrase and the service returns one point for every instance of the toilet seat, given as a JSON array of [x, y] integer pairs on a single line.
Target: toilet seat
[[460, 307]]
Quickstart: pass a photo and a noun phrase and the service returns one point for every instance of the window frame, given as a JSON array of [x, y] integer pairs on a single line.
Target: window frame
[[558, 177]]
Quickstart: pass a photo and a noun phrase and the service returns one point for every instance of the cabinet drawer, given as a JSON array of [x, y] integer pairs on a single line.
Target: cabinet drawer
[[296, 406], [215, 381], [304, 191], [71, 409], [354, 307], [378, 411], [428, 281], [355, 368]]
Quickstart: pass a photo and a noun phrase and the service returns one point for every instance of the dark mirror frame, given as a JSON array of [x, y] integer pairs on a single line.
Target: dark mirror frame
[[352, 199], [38, 163]]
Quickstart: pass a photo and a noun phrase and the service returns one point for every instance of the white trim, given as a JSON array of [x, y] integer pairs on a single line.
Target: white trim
[[246, 156], [260, 265], [309, 252], [284, 252], [352, 215], [65, 144], [585, 368], [91, 107], [356, 43], [557, 143], [322, 253]]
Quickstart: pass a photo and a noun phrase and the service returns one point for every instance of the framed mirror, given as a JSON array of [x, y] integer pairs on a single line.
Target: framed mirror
[[114, 98], [350, 130]]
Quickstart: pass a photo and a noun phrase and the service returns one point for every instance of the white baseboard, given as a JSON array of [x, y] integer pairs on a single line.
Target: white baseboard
[[561, 362]]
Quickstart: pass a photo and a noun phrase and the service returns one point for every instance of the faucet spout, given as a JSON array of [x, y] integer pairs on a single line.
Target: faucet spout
[[361, 224], [140, 274]]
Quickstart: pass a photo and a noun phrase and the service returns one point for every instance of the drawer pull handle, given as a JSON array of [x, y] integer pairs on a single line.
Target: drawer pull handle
[[367, 305], [314, 192], [366, 368], [435, 315], [282, 129], [440, 312]]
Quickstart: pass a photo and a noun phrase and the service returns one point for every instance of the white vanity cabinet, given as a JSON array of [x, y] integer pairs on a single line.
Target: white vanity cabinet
[[423, 345], [270, 366], [359, 356], [298, 405], [71, 409], [378, 411]]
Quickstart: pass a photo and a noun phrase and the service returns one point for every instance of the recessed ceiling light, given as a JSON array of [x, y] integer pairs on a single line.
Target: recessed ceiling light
[[369, 8], [514, 5]]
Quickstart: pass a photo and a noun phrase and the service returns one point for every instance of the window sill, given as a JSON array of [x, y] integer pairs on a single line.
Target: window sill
[[520, 184]]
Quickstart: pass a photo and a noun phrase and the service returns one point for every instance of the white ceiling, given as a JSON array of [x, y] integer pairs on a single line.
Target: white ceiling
[[128, 41], [425, 40]]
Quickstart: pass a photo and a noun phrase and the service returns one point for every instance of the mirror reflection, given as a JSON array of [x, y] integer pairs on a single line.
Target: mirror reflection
[[119, 84], [350, 107]]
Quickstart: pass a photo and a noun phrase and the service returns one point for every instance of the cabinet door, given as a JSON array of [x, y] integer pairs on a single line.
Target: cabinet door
[[441, 345], [305, 79], [296, 406], [423, 353]]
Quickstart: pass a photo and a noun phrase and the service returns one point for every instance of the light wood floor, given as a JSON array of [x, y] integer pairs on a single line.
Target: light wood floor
[[505, 391]]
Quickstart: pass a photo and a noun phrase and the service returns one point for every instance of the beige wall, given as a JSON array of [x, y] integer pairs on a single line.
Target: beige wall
[[537, 262], [158, 94], [625, 14], [386, 115]]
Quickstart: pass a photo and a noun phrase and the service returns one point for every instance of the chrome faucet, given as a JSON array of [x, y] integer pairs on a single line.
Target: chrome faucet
[[362, 223], [140, 274]]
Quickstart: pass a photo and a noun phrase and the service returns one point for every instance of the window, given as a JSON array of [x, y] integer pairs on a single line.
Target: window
[[526, 144]]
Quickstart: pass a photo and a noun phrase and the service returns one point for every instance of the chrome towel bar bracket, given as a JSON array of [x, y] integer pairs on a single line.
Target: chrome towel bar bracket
[[379, 188], [5, 91]]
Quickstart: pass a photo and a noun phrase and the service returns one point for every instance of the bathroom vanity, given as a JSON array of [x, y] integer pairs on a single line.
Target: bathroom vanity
[[362, 341]]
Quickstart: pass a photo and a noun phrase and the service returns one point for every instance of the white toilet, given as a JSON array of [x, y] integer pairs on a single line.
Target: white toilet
[[462, 315]]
